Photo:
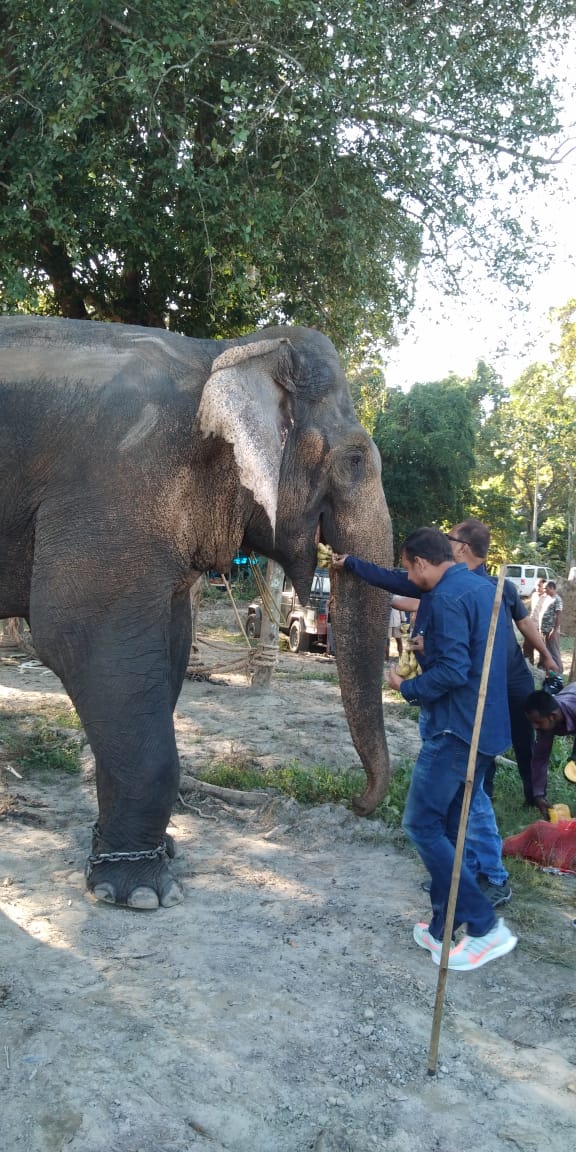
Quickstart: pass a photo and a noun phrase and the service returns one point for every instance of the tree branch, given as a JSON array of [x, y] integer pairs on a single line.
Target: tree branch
[[424, 126]]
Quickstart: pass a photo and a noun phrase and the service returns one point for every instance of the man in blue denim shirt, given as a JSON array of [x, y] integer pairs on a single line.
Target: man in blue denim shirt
[[455, 635], [483, 841]]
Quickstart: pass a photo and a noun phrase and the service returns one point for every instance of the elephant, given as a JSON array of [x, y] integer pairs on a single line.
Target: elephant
[[134, 459]]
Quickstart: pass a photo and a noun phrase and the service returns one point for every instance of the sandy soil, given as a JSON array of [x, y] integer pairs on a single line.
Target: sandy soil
[[283, 1006]]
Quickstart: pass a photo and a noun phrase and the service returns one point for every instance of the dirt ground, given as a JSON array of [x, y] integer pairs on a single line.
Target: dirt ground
[[283, 1006]]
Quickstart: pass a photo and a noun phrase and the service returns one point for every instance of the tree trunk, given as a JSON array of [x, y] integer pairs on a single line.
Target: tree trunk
[[194, 657], [266, 656], [13, 634]]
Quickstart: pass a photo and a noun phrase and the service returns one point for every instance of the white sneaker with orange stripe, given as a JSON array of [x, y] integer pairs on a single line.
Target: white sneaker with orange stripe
[[423, 938], [474, 951]]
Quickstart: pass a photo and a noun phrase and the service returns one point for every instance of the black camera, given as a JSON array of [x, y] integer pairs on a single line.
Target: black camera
[[553, 683]]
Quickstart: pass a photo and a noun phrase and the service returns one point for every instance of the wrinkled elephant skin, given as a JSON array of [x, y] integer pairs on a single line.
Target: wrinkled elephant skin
[[133, 459]]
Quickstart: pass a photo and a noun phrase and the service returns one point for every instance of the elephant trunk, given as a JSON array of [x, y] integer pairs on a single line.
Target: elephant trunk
[[360, 615]]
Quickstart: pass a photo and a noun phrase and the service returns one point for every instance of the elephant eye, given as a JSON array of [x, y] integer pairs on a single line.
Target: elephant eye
[[356, 465]]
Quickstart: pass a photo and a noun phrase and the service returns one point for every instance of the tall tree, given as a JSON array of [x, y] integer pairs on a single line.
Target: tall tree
[[213, 165], [492, 498], [426, 441], [535, 453]]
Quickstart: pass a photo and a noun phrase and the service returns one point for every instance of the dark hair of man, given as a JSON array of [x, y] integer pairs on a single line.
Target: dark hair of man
[[428, 543], [544, 703], [476, 535], [551, 584]]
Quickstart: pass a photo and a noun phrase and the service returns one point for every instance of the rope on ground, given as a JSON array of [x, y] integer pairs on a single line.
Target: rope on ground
[[202, 671], [236, 613], [265, 656], [197, 670]]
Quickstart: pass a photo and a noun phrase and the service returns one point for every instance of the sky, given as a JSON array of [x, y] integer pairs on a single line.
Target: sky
[[450, 334]]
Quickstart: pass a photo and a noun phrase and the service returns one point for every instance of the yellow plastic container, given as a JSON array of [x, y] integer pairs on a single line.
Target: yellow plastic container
[[558, 812]]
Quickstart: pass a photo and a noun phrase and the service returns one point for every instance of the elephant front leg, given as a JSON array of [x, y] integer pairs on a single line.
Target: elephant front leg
[[121, 681], [129, 861], [142, 879]]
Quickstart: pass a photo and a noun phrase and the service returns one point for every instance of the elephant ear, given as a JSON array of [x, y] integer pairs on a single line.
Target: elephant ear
[[248, 400]]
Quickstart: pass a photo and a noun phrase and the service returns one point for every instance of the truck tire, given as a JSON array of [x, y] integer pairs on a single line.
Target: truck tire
[[298, 640]]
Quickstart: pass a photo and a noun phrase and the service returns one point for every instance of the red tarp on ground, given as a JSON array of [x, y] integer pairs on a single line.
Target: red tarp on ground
[[550, 845]]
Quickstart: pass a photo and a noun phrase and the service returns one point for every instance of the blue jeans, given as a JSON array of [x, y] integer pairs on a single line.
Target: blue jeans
[[483, 848], [431, 820]]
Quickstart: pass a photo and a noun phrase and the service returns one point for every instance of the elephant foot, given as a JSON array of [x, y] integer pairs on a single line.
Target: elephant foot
[[144, 884], [370, 799]]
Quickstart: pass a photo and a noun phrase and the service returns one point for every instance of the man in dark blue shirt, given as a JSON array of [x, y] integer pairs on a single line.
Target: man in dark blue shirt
[[459, 608], [483, 842], [470, 542]]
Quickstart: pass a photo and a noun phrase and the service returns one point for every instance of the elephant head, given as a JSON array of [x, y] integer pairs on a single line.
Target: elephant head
[[314, 474]]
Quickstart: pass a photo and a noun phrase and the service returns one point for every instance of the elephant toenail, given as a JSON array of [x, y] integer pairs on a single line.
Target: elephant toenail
[[143, 898], [105, 892], [172, 895]]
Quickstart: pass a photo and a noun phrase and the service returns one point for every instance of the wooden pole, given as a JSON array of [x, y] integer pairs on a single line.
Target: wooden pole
[[266, 655], [459, 850]]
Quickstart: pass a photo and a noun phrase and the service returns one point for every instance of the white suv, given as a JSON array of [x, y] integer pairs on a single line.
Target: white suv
[[526, 576]]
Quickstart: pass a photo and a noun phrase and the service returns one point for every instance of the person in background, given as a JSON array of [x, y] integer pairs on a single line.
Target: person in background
[[470, 540], [550, 616], [536, 598], [536, 601], [550, 716], [459, 613], [394, 630]]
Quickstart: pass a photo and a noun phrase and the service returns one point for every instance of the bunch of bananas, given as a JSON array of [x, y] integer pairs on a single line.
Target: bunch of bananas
[[407, 666], [324, 556]]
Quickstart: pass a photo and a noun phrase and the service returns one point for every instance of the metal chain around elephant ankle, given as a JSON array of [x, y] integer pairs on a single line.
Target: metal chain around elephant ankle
[[123, 857]]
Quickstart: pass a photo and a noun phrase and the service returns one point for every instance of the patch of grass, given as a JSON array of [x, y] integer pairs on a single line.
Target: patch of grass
[[42, 743], [392, 806], [314, 785], [48, 750], [244, 776], [65, 718], [528, 882], [317, 785]]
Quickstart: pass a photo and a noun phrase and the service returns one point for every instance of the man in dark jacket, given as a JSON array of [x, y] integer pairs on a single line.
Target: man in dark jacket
[[470, 542]]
